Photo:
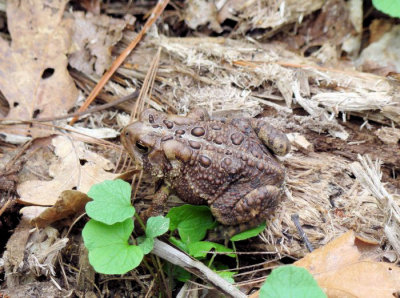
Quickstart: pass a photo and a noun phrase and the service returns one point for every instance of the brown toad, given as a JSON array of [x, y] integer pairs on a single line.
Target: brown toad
[[225, 165]]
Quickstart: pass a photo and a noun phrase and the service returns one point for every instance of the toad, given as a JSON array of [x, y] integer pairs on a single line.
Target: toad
[[228, 165]]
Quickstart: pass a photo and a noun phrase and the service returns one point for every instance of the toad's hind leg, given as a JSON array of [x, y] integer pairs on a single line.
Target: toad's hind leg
[[273, 138], [254, 205], [244, 214]]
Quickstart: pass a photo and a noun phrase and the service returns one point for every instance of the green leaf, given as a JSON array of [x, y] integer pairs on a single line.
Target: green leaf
[[291, 281], [146, 244], [390, 7], [179, 244], [249, 233], [156, 226], [109, 250], [111, 202], [201, 248], [227, 275], [191, 221]]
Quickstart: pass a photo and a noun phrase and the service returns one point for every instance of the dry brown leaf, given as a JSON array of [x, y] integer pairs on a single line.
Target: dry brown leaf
[[93, 37], [76, 168], [34, 77], [15, 251], [346, 267], [69, 203]]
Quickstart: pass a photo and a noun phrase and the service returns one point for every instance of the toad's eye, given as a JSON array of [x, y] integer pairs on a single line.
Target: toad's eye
[[142, 148]]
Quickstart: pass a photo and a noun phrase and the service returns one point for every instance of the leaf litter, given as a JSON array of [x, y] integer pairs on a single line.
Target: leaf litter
[[334, 111], [34, 77]]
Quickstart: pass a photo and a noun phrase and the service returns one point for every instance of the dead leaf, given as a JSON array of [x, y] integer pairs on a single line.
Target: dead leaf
[[31, 253], [14, 255], [346, 267], [76, 168], [34, 77], [93, 37], [69, 203]]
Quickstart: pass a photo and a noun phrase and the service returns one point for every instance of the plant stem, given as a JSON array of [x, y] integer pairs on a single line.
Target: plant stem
[[236, 255], [211, 260], [140, 222]]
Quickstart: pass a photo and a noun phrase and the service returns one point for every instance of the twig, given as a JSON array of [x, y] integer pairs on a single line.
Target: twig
[[178, 258], [158, 9], [93, 110], [303, 236]]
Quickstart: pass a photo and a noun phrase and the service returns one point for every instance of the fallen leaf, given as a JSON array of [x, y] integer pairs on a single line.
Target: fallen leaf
[[34, 77], [346, 267], [15, 252], [76, 168], [93, 38], [70, 202], [31, 212]]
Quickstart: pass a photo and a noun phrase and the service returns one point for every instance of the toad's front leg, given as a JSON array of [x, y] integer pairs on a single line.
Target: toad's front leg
[[176, 153], [158, 203]]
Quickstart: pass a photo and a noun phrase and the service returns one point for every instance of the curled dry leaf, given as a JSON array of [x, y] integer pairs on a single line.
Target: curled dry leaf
[[347, 267], [70, 202], [34, 77], [76, 168]]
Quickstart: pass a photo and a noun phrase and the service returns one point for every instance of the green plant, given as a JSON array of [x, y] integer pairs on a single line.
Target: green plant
[[108, 234], [192, 223], [390, 7], [291, 281], [112, 248]]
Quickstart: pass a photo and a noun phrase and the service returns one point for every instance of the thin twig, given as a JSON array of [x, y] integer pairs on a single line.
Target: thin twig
[[178, 258], [92, 110]]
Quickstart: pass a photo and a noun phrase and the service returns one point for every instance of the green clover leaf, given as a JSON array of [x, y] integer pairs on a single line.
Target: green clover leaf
[[291, 281], [111, 253], [111, 202]]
